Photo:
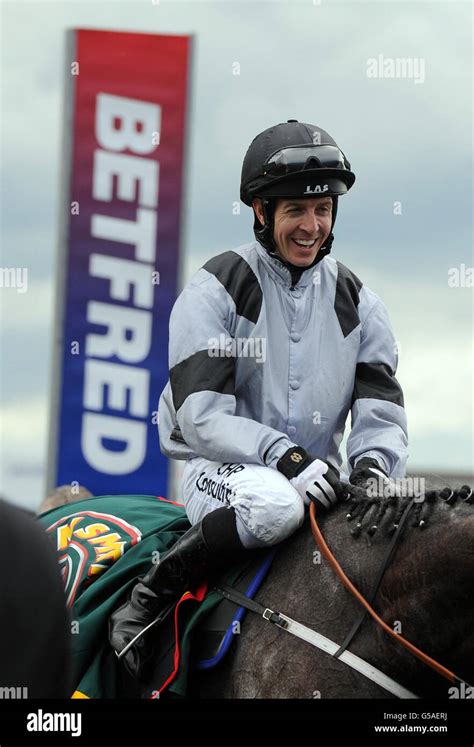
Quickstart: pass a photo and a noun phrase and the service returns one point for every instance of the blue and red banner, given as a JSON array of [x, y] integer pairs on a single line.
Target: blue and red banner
[[123, 174]]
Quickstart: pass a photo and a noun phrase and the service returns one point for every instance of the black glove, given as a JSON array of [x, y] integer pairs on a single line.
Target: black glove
[[367, 471], [313, 479]]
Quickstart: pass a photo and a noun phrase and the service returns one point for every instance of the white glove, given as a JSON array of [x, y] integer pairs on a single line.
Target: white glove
[[313, 479], [318, 483]]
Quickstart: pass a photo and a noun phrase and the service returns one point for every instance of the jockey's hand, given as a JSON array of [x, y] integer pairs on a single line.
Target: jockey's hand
[[368, 474], [313, 479]]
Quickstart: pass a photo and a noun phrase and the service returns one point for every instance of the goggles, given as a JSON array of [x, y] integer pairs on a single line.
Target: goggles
[[301, 158]]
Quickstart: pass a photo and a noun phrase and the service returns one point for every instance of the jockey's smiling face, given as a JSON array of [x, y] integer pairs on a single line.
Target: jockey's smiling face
[[299, 220]]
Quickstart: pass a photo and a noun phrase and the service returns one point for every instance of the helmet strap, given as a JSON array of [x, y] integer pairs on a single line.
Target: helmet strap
[[264, 233]]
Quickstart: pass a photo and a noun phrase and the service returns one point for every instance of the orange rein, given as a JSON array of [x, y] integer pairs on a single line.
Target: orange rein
[[356, 593]]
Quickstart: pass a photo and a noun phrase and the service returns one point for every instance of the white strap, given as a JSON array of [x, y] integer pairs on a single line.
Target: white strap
[[325, 644]]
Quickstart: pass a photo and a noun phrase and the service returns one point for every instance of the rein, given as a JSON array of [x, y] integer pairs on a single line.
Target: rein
[[325, 644], [436, 666]]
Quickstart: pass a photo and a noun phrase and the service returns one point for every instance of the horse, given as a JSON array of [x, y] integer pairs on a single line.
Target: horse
[[425, 596]]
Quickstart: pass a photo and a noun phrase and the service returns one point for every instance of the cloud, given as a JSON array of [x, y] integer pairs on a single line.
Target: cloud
[[433, 327], [27, 312], [24, 438]]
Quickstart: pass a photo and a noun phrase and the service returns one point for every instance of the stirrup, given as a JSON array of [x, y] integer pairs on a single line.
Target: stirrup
[[161, 617]]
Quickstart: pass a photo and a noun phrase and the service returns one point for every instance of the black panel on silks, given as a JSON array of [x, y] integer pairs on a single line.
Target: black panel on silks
[[201, 373], [346, 301], [240, 282], [376, 381]]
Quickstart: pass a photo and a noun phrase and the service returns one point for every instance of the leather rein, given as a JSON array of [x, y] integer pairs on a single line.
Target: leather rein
[[332, 648], [367, 604]]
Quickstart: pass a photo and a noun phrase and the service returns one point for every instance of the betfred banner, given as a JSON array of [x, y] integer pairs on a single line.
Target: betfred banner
[[123, 158]]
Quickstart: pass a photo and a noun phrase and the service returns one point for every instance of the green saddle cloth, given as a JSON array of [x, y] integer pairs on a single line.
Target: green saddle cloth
[[103, 545]]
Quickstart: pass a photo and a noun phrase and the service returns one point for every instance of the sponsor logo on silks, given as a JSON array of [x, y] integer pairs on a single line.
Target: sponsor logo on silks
[[295, 456], [89, 542], [317, 189], [220, 490]]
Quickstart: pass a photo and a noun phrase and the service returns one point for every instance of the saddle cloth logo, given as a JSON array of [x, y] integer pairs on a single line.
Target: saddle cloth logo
[[88, 543]]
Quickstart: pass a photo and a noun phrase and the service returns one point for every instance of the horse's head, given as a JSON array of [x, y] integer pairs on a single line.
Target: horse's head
[[427, 590]]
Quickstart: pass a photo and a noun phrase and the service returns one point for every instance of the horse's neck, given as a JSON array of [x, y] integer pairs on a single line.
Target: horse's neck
[[305, 587], [428, 587]]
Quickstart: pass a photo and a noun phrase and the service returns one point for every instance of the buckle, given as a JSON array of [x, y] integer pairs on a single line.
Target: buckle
[[267, 614], [274, 617]]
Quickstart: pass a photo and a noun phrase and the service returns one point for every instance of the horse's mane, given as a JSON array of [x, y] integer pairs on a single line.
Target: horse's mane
[[385, 513], [427, 588]]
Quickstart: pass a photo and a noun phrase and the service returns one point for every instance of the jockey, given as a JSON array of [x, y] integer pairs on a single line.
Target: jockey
[[271, 346]]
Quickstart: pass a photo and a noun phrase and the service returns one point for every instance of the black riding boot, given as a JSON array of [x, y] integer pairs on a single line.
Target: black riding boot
[[203, 548]]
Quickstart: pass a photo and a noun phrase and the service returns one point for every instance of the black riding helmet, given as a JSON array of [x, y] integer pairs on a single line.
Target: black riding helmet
[[293, 159]]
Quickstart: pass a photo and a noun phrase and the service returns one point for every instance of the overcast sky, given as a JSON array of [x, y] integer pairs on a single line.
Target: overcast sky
[[408, 140]]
